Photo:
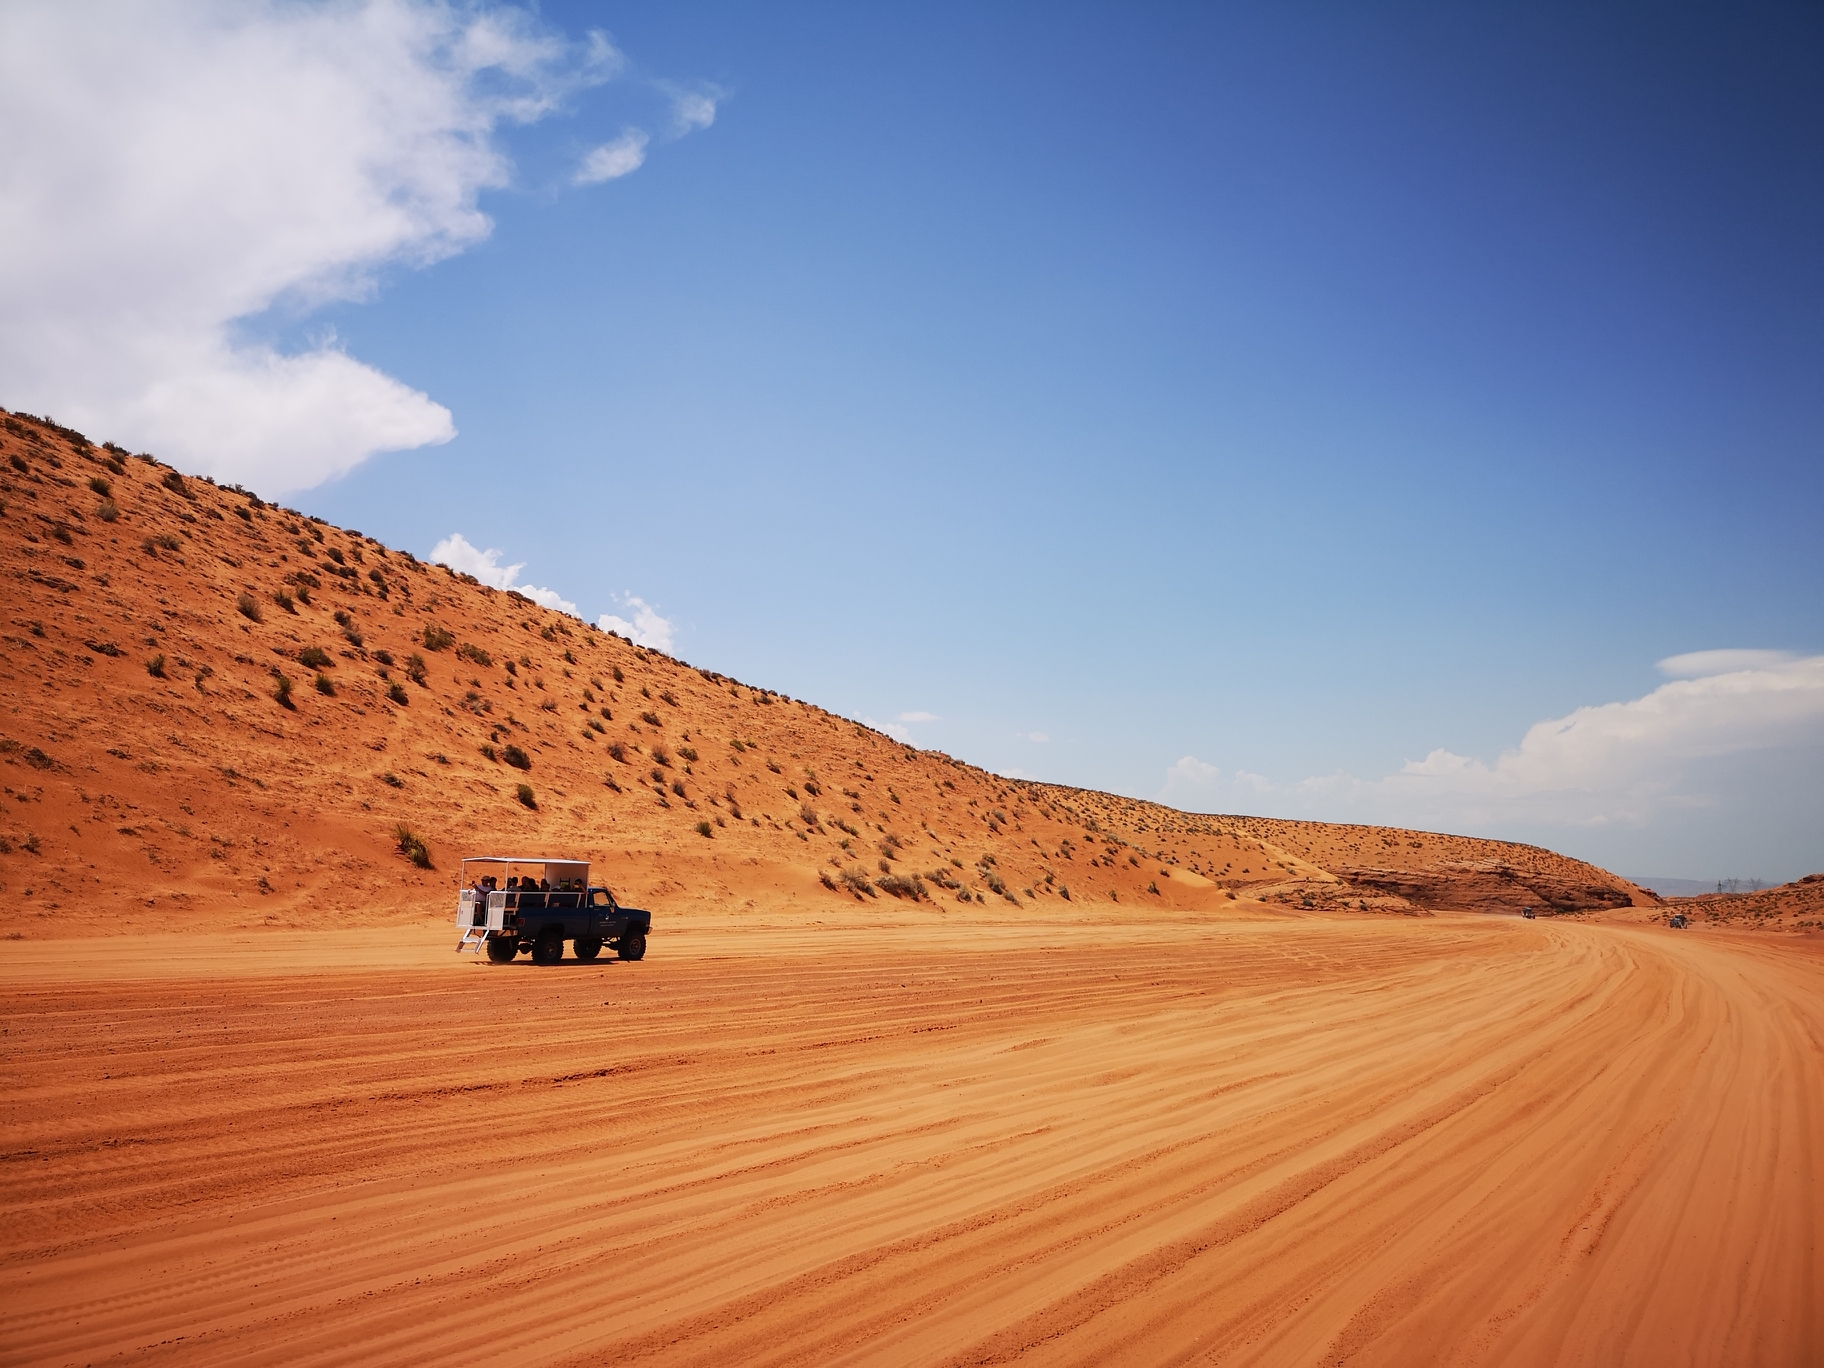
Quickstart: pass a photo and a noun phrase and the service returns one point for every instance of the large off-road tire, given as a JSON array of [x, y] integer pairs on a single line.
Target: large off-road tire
[[502, 949], [586, 947], [548, 948], [632, 946]]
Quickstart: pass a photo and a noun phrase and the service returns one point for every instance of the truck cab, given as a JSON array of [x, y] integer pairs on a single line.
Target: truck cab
[[509, 904]]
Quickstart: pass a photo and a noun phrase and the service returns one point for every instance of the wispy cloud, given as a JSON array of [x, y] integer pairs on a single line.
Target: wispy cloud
[[456, 552], [181, 166], [645, 628], [613, 159], [693, 107], [917, 717], [1037, 736], [1613, 764]]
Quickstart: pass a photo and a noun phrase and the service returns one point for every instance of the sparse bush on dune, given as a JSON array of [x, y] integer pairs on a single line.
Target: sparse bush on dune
[[325, 685], [524, 794], [396, 692], [517, 758], [705, 829], [618, 751], [436, 639], [902, 886], [246, 606], [281, 690], [101, 485], [314, 658], [414, 669], [411, 845], [660, 756], [156, 667]]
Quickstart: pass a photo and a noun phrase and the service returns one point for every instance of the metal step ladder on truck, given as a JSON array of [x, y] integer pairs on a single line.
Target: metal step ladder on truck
[[506, 905]]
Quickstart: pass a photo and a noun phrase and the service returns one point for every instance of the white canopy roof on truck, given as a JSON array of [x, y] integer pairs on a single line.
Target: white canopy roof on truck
[[546, 866]]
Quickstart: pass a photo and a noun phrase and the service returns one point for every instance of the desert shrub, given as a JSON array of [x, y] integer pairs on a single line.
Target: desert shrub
[[660, 756], [619, 678], [175, 483], [618, 751], [857, 882], [351, 636], [516, 757], [569, 655], [101, 485], [549, 705], [824, 878], [470, 651], [436, 639], [807, 814], [335, 555], [107, 512], [1064, 891], [325, 685], [281, 690], [414, 669], [408, 842], [1151, 887], [487, 749], [156, 667], [666, 698], [343, 617], [241, 513], [705, 829], [688, 752], [314, 658], [384, 656], [739, 747], [651, 719], [677, 787], [247, 608], [392, 780], [31, 843], [37, 759], [607, 716], [512, 668], [283, 599], [396, 692], [526, 799], [902, 886]]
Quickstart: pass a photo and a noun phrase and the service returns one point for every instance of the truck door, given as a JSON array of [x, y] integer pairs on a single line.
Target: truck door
[[604, 918]]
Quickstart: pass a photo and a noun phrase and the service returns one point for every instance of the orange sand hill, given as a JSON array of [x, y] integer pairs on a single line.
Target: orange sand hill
[[1103, 1083], [151, 769], [1797, 906]]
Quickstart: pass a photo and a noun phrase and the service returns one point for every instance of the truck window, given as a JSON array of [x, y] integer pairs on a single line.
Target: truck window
[[599, 898]]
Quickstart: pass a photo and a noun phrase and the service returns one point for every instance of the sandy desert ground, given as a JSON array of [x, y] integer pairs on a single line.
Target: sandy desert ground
[[1249, 1138]]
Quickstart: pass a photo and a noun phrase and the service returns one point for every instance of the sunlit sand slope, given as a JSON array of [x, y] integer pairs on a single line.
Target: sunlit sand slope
[[1034, 1140], [152, 770]]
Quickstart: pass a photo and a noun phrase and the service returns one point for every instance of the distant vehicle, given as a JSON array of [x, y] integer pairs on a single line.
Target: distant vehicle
[[509, 905], [1527, 912], [1677, 921]]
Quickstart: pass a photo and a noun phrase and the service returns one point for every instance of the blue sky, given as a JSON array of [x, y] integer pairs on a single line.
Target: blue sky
[[1250, 402]]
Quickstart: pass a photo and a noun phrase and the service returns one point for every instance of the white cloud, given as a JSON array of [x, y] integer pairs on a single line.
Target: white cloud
[[917, 717], [456, 552], [172, 169], [613, 159], [893, 729], [1702, 664], [646, 628], [1189, 782], [1693, 743], [1033, 736], [694, 107]]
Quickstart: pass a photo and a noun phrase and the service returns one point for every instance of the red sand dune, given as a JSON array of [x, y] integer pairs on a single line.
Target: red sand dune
[[1230, 1100]]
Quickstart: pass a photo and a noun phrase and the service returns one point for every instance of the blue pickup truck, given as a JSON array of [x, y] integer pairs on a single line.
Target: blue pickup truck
[[506, 905]]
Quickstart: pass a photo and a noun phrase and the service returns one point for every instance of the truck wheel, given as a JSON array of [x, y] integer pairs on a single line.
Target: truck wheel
[[548, 949], [632, 946], [586, 947], [502, 950]]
